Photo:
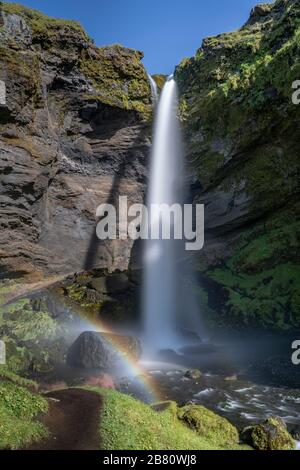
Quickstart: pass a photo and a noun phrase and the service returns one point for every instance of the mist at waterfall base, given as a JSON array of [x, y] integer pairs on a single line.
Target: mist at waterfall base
[[167, 302]]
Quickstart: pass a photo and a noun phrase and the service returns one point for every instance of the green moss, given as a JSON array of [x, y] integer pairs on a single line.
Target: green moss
[[128, 424], [26, 67], [272, 434], [160, 80], [118, 77], [262, 278], [44, 27], [31, 336], [209, 425], [117, 74], [19, 409], [240, 123], [238, 86], [19, 319], [8, 375], [7, 288]]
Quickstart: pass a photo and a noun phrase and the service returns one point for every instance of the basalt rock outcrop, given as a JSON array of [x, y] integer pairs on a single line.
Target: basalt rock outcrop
[[242, 133], [74, 133]]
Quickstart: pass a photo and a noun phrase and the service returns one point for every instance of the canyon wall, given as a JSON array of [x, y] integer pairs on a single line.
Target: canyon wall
[[74, 133], [242, 135]]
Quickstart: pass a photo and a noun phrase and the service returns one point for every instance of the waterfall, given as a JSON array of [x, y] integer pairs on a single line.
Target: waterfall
[[154, 89], [161, 267]]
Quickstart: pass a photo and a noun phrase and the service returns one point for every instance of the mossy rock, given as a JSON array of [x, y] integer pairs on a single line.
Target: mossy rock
[[160, 80], [193, 374], [272, 434], [206, 423]]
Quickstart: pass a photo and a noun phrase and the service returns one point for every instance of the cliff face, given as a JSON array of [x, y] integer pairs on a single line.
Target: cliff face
[[242, 132], [74, 133]]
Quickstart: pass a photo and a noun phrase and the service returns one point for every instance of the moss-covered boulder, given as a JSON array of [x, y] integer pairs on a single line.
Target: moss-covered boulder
[[207, 423], [272, 434]]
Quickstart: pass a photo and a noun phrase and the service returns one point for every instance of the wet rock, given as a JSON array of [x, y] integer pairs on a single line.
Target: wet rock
[[295, 432], [102, 350], [111, 284], [279, 369], [231, 378], [272, 434], [193, 374]]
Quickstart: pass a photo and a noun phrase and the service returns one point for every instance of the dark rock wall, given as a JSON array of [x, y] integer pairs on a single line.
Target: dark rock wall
[[74, 133]]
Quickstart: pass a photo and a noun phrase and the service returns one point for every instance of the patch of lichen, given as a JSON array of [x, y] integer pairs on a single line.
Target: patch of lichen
[[118, 78]]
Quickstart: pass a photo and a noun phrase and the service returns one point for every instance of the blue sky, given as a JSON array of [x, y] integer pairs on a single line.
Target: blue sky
[[165, 30]]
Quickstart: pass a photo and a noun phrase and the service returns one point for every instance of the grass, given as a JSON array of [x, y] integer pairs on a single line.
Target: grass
[[8, 375], [128, 424], [19, 412]]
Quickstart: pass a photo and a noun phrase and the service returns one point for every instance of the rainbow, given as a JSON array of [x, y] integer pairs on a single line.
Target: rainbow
[[145, 380]]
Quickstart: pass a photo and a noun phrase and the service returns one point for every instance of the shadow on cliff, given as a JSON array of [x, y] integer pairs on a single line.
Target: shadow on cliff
[[95, 242], [128, 162]]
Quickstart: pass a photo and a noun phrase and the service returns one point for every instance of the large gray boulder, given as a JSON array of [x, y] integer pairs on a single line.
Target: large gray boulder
[[102, 350]]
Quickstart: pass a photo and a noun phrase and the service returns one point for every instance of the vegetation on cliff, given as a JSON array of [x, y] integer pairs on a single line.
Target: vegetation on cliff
[[117, 77], [243, 135]]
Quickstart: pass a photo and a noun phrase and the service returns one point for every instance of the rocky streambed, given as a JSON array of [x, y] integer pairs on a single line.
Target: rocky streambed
[[244, 391]]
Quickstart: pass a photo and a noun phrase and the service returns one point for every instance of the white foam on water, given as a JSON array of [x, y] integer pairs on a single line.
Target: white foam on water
[[206, 391]]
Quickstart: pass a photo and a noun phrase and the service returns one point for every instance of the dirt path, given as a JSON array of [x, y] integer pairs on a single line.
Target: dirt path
[[73, 420]]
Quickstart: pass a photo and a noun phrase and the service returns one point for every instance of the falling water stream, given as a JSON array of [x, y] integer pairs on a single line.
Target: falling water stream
[[161, 279], [154, 90]]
